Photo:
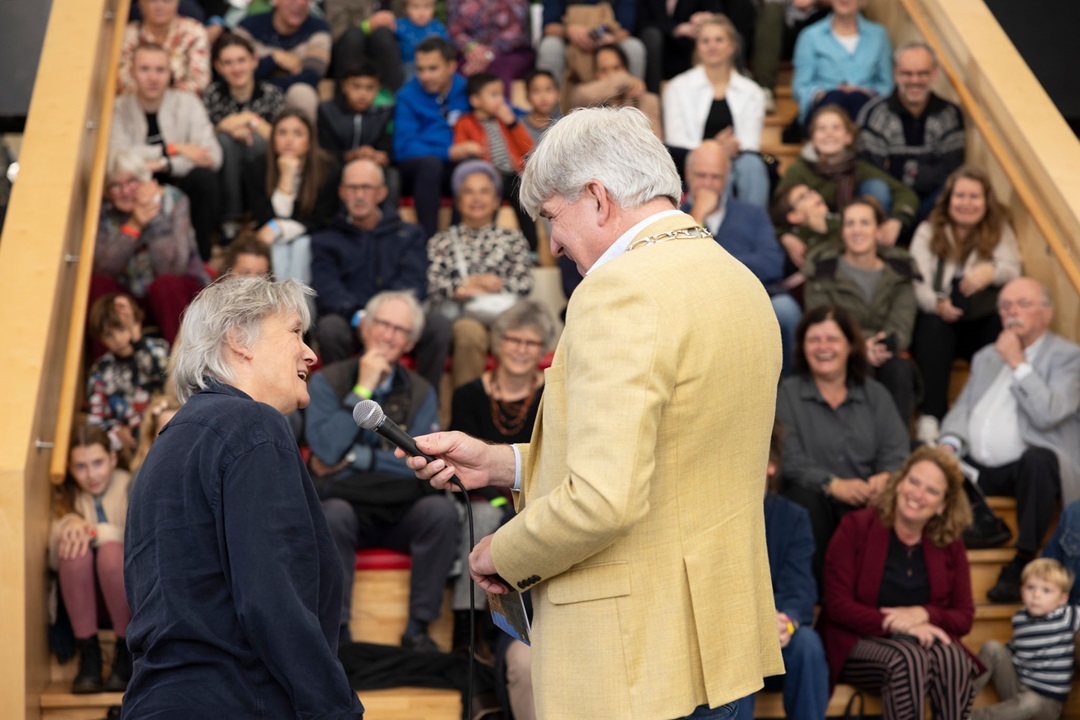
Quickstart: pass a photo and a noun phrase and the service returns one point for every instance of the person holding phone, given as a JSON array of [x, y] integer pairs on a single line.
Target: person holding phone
[[874, 283]]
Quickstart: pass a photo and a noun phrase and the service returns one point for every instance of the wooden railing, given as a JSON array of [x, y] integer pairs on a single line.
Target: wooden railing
[[45, 264], [1014, 131]]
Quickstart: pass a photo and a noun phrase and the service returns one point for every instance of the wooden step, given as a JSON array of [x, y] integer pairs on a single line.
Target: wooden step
[[985, 567], [992, 622], [380, 609]]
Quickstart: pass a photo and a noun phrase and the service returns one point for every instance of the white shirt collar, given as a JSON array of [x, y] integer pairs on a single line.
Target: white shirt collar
[[618, 247]]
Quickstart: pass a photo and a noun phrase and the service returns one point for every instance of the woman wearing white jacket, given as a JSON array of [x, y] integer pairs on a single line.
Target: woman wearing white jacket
[[712, 100]]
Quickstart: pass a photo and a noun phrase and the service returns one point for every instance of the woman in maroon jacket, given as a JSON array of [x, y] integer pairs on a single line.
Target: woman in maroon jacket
[[898, 594]]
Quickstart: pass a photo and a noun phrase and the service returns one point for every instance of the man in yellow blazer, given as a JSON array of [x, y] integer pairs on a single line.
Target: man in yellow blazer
[[639, 530]]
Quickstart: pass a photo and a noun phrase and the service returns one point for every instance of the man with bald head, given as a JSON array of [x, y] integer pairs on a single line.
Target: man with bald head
[[365, 251], [1016, 421], [741, 228]]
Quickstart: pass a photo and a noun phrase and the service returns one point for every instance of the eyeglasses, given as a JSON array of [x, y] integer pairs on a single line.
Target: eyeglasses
[[402, 332], [362, 188], [124, 185], [523, 343]]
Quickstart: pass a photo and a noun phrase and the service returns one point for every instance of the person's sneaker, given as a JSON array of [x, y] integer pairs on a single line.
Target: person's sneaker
[[1007, 587], [927, 430], [770, 101], [420, 642]]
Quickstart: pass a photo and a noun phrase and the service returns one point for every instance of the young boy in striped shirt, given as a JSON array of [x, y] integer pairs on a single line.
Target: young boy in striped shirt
[[1033, 672]]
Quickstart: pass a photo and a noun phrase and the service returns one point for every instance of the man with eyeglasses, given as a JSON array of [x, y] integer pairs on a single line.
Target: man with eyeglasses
[[370, 498], [364, 251], [914, 134], [1016, 422]]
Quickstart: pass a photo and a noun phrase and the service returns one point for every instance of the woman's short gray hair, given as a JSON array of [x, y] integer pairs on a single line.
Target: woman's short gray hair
[[231, 306], [613, 146], [127, 161], [525, 314], [404, 296]]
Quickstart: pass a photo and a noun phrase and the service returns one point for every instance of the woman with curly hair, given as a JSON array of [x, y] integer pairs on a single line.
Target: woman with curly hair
[[965, 252], [898, 593]]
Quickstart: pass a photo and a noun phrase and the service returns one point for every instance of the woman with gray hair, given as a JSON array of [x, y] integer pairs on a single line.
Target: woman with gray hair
[[145, 243], [231, 573]]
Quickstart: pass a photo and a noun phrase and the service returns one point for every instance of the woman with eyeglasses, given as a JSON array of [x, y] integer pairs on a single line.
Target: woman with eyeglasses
[[476, 270]]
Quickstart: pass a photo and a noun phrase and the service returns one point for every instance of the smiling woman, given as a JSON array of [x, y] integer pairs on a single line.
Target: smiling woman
[[233, 579]]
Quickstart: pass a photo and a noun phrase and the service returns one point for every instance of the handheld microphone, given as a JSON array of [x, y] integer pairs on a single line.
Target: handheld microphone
[[370, 416]]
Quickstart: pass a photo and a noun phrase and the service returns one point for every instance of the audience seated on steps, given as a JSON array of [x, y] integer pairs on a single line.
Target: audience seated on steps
[[183, 38], [364, 30], [174, 136], [1016, 422], [804, 223], [476, 270], [614, 86], [914, 134], [542, 94], [492, 36], [371, 498], [292, 193], [966, 251], [415, 25], [843, 436], [897, 594], [790, 543], [364, 251], [776, 29], [873, 282], [743, 230], [293, 48], [86, 549]]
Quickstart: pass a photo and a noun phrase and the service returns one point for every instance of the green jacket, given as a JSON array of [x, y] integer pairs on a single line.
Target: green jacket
[[801, 172], [892, 308]]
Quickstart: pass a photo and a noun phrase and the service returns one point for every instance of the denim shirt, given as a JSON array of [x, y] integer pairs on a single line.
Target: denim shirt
[[231, 573]]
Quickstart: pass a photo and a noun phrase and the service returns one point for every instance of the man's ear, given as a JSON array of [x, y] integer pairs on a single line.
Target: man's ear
[[605, 205]]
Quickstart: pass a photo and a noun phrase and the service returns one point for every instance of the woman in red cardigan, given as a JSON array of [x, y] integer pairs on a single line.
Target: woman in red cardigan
[[898, 594]]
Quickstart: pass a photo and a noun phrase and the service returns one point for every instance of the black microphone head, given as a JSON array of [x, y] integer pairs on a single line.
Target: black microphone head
[[368, 415]]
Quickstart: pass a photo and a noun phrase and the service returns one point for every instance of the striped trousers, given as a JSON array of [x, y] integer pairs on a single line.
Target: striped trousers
[[905, 674]]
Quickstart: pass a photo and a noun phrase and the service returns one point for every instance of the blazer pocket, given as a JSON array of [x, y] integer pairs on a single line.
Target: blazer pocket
[[591, 582], [555, 374]]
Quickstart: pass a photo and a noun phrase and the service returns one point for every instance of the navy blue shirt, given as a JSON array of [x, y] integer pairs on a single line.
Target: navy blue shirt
[[231, 573]]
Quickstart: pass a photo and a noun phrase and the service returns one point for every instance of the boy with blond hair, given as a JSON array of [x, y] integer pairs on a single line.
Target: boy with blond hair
[[1033, 672]]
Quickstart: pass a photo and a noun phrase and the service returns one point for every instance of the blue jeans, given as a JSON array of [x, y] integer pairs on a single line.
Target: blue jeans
[[730, 711], [880, 191], [806, 682], [750, 178], [788, 314]]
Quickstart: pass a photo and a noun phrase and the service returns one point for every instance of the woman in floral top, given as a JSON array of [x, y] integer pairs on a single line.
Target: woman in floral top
[[476, 269], [184, 39]]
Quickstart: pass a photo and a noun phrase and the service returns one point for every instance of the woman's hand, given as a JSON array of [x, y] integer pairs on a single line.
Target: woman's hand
[[928, 634], [75, 540], [727, 140], [853, 491], [976, 278], [947, 311], [796, 248], [889, 231], [289, 166], [579, 36], [147, 204], [876, 352], [903, 619]]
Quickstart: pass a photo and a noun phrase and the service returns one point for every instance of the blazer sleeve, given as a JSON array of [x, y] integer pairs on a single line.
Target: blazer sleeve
[[1050, 400], [843, 567], [605, 490], [957, 616]]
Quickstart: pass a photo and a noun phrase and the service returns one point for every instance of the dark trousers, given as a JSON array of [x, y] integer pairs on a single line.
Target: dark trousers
[[851, 101], [203, 189], [380, 47], [825, 515], [338, 340], [427, 179], [1035, 481], [897, 374], [805, 682], [937, 343], [511, 192], [429, 532]]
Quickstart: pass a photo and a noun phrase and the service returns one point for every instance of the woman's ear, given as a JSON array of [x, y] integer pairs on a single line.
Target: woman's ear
[[236, 347]]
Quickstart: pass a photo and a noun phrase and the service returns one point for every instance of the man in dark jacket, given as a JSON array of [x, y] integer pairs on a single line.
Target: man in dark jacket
[[362, 253], [371, 498]]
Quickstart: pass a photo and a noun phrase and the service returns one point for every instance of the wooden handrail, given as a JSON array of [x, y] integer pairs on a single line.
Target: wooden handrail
[[993, 140], [73, 356]]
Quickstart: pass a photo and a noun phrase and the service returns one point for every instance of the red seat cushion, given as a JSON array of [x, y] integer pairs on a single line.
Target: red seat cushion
[[380, 559]]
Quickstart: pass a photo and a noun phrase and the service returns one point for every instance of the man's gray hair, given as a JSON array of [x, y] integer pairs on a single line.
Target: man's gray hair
[[913, 45], [233, 306], [404, 296], [615, 147], [525, 314], [127, 161]]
